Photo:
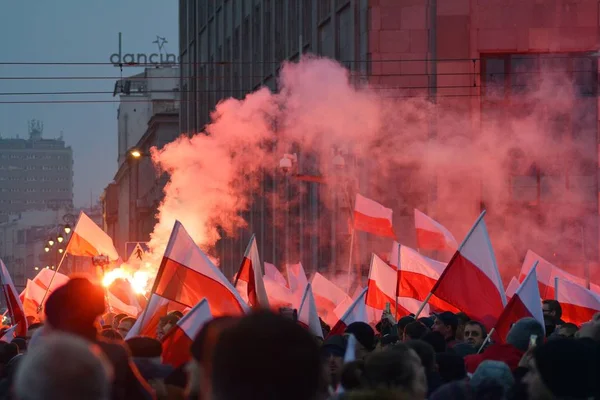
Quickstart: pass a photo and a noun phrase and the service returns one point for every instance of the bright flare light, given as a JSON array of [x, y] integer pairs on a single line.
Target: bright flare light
[[138, 280]]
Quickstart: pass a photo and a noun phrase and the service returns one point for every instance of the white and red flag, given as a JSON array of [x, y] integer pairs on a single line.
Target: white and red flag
[[308, 315], [249, 279], [417, 275], [327, 297], [89, 240], [525, 303], [34, 295], [156, 308], [578, 304], [31, 298], [176, 344], [279, 295], [297, 282], [471, 282], [431, 235], [372, 217], [512, 287], [274, 274], [13, 302], [356, 311], [186, 275]]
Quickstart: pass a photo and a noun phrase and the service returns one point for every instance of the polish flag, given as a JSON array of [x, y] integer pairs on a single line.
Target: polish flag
[[327, 297], [279, 295], [307, 313], [431, 235], [31, 298], [297, 282], [355, 312], [177, 343], [186, 275], [51, 279], [512, 287], [272, 272], [373, 315], [89, 240], [525, 303], [13, 302], [471, 282], [116, 306], [579, 305], [381, 288], [249, 281], [546, 272], [46, 280], [418, 275], [372, 217], [147, 322]]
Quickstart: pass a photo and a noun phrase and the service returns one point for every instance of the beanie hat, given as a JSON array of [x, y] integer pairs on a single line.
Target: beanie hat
[[493, 370], [567, 367], [75, 306], [365, 335], [334, 345], [520, 333]]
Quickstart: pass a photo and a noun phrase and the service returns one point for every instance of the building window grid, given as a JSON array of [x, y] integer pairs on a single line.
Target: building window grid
[[246, 79], [267, 45]]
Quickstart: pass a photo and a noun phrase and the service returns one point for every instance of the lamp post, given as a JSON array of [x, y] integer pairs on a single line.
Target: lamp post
[[58, 250], [134, 156]]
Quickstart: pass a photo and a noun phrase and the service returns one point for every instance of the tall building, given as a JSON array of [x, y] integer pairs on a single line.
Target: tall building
[[477, 57], [35, 173]]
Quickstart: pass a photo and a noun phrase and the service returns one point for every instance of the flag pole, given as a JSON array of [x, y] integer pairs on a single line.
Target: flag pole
[[8, 305], [351, 253], [398, 280], [487, 339], [54, 274], [556, 288], [459, 249]]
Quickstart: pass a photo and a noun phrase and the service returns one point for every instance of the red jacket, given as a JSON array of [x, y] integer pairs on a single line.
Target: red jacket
[[498, 352]]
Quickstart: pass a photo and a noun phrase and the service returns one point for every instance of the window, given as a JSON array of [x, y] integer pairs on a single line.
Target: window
[[306, 21], [344, 37], [279, 31], [293, 31], [267, 48], [324, 9], [246, 54]]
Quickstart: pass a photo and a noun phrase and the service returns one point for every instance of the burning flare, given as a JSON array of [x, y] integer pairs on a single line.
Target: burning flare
[[138, 280]]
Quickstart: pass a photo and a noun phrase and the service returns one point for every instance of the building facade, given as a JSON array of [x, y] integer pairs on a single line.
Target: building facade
[[476, 56], [35, 173], [148, 116]]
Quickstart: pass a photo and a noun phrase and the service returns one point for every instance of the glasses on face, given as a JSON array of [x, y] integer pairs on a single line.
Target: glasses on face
[[472, 334]]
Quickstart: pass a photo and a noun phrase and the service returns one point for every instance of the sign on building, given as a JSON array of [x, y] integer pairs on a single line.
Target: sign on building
[[136, 250]]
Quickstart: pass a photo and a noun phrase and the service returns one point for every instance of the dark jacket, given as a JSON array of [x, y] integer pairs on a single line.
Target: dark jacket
[[498, 352]]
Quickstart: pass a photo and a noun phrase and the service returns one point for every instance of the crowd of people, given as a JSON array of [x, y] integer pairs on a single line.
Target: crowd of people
[[80, 352]]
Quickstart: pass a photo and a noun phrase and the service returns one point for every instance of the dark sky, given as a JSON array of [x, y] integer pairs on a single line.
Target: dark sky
[[75, 31]]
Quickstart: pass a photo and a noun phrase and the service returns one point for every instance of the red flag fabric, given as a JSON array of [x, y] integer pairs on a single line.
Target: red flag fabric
[[372, 217], [249, 280], [512, 287], [431, 235], [579, 305], [471, 282], [156, 308], [176, 344], [13, 302], [89, 240], [355, 312], [524, 303], [186, 275], [381, 287]]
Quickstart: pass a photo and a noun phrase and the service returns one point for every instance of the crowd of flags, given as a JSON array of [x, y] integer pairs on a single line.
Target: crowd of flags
[[408, 283]]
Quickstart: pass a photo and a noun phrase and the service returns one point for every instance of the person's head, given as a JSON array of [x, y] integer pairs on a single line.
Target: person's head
[[425, 352], [365, 337], [414, 330], [75, 308], [332, 358], [567, 330], [65, 367], [31, 329], [8, 351], [446, 323], [199, 370], [166, 323], [427, 321], [520, 333], [21, 343], [111, 334], [125, 325], [351, 377], [267, 342], [562, 368], [493, 371], [474, 333], [402, 324], [462, 321], [399, 369], [145, 347], [436, 340], [552, 308], [451, 367], [117, 319]]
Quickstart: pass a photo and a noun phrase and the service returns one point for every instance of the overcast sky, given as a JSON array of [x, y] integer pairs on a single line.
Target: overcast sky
[[75, 31]]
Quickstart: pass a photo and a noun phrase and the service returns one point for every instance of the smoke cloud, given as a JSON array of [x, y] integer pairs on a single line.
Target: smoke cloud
[[401, 159]]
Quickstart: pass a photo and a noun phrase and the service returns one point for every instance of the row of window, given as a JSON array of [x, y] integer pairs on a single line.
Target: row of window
[[5, 156], [34, 178], [34, 168], [33, 190]]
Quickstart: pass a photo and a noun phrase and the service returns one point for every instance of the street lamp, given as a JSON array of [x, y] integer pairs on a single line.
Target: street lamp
[[135, 153], [36, 268], [60, 238], [46, 249], [51, 242], [67, 229], [60, 251]]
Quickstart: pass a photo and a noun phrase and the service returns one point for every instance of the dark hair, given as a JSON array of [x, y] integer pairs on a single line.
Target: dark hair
[[415, 330], [571, 328], [554, 305], [351, 377], [21, 343], [202, 347], [480, 325], [436, 340], [425, 352], [110, 333], [282, 354], [128, 319], [35, 326], [7, 352], [462, 318], [144, 346], [117, 319], [387, 369]]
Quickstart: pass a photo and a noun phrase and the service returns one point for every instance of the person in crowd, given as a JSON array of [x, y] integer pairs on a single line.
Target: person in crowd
[[84, 372], [31, 329], [474, 334], [567, 330], [365, 338], [199, 370], [167, 323], [332, 356], [511, 352], [414, 330], [249, 357], [403, 323], [125, 326], [74, 308], [451, 366], [21, 343], [436, 340], [111, 334], [351, 378], [427, 355], [427, 321], [117, 320], [550, 326], [387, 341], [462, 322], [446, 323], [399, 369], [147, 357], [553, 309], [562, 369]]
